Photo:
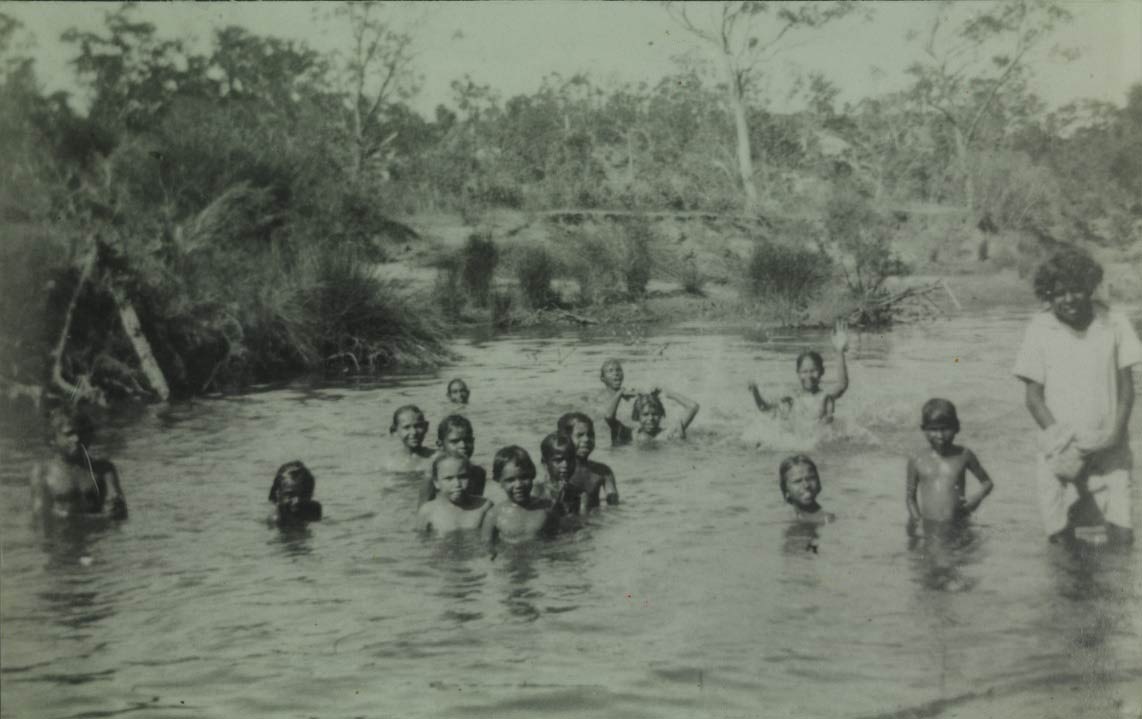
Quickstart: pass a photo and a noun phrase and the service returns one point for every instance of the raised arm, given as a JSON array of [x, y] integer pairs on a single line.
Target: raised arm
[[688, 404], [1037, 404], [620, 433], [841, 344], [758, 399], [971, 503], [913, 481]]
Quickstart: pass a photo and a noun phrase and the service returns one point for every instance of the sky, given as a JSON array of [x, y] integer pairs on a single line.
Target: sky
[[511, 46]]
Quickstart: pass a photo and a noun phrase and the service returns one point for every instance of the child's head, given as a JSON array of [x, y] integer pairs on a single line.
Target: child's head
[[558, 456], [648, 412], [514, 471], [409, 426], [293, 484], [800, 483], [450, 476], [454, 434], [581, 430], [458, 392], [810, 370], [612, 374], [70, 432], [1067, 280], [939, 422]]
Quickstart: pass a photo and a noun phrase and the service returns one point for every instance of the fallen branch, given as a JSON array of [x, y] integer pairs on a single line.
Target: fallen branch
[[73, 391]]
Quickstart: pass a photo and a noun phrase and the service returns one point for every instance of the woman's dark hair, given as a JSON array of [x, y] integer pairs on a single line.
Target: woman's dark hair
[[1069, 268], [516, 455], [815, 356], [293, 470], [553, 444], [939, 414], [644, 402], [566, 423], [402, 410], [789, 463], [448, 389], [452, 420]]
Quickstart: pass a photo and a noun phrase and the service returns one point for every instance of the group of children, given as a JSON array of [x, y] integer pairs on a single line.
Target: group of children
[[1075, 361]]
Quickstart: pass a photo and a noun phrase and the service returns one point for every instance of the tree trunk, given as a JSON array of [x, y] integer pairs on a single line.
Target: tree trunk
[[134, 330], [741, 123], [964, 169]]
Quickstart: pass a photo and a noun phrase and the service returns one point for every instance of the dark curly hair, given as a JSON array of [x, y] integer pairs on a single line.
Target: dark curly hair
[[1069, 268]]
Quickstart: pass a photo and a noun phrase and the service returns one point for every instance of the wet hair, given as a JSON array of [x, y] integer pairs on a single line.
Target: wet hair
[[402, 410], [566, 423], [815, 356], [643, 402], [448, 455], [553, 444], [609, 363], [293, 470], [448, 391], [939, 414], [1069, 268], [789, 463], [516, 455], [448, 423]]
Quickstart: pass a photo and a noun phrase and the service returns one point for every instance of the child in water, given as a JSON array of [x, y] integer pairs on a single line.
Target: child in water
[[292, 495], [410, 428], [522, 516], [458, 392], [453, 508], [648, 412], [579, 428], [800, 484], [455, 436], [936, 475], [74, 483], [812, 401], [570, 492]]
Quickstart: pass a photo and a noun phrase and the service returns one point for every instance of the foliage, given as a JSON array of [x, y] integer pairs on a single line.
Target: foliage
[[535, 268], [479, 258], [781, 272], [861, 238]]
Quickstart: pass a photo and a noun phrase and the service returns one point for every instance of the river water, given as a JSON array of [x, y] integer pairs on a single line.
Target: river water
[[696, 597]]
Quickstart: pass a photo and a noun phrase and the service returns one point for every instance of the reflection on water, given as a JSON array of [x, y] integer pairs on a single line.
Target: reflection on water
[[696, 597]]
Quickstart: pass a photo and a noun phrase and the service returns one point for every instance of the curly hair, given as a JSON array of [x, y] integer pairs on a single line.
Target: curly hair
[[293, 470], [645, 402], [789, 463], [513, 454], [1069, 268]]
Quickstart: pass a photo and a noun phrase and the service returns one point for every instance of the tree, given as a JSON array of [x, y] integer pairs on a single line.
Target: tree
[[745, 35], [976, 65], [376, 73]]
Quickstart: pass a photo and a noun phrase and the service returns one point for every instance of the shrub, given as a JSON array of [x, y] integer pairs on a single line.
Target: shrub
[[781, 272], [636, 259], [691, 278], [479, 258], [535, 269], [862, 238]]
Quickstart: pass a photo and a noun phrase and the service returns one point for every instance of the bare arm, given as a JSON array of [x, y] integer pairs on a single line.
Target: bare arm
[[1037, 404], [841, 344], [488, 529], [610, 413], [610, 487], [688, 404], [985, 484], [757, 398], [913, 481]]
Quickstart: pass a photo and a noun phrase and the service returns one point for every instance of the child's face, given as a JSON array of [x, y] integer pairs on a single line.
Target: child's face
[[939, 437], [291, 494], [809, 374], [802, 485], [562, 465], [66, 440], [583, 437], [411, 429], [458, 393], [650, 420], [458, 441], [515, 483], [451, 479], [613, 375], [1070, 305]]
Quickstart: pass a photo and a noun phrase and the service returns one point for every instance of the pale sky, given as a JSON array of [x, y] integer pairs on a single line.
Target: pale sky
[[512, 45]]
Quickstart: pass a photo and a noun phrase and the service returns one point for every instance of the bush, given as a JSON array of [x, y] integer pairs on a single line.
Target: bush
[[535, 269], [479, 258], [691, 278], [862, 238], [637, 260], [781, 272]]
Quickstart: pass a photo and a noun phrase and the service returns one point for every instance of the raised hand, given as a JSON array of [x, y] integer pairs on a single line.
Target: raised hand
[[841, 336]]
